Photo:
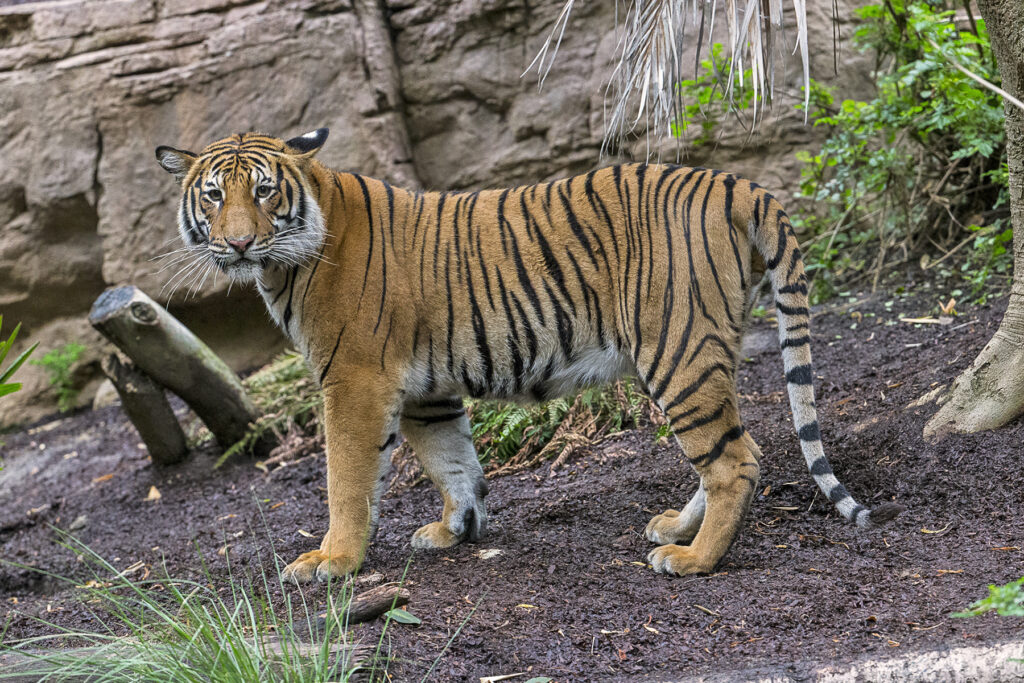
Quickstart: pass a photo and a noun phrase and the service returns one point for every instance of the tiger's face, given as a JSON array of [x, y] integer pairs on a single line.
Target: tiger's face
[[246, 201]]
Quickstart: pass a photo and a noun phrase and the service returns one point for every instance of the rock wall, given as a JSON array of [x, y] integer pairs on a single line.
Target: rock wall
[[424, 93]]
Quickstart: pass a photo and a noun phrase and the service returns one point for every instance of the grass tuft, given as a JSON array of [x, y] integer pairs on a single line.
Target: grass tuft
[[168, 630]]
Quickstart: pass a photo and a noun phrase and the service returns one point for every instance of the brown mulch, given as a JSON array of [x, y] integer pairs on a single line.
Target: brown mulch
[[569, 597]]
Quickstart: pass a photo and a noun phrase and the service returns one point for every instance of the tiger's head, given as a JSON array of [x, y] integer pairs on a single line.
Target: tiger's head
[[247, 200]]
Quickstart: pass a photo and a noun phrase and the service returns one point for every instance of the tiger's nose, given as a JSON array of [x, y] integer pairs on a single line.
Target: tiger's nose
[[242, 243]]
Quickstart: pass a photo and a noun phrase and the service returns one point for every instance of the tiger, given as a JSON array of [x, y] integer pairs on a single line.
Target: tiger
[[403, 302]]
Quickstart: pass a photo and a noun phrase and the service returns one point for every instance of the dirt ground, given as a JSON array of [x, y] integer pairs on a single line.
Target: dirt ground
[[569, 596]]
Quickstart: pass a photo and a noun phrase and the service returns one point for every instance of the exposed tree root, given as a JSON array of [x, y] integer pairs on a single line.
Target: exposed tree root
[[988, 394]]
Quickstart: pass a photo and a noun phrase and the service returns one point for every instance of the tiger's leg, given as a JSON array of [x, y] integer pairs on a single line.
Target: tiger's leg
[[726, 458], [361, 420], [439, 434], [674, 526]]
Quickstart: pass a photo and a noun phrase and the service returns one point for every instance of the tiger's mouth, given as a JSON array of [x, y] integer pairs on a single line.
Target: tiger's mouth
[[242, 268]]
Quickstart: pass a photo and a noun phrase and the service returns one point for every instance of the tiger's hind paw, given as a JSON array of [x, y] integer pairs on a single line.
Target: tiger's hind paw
[[434, 536]]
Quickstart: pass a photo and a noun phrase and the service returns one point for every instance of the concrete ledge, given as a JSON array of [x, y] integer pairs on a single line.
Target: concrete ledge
[[1002, 663]]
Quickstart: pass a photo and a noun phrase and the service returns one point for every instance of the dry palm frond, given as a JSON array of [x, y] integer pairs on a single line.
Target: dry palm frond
[[651, 52]]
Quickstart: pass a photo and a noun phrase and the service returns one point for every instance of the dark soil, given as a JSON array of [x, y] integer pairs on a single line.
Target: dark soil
[[570, 596]]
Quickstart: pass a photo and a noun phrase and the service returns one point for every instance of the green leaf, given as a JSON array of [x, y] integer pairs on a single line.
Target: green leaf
[[402, 617], [9, 388], [6, 346], [6, 374]]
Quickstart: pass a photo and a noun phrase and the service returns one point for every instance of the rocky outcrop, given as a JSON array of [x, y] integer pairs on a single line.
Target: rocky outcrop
[[425, 93]]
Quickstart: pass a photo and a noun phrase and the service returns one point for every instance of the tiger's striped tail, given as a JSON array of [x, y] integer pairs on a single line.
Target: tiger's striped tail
[[772, 234]]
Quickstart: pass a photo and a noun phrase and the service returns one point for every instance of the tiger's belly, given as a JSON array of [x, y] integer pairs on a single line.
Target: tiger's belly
[[547, 376]]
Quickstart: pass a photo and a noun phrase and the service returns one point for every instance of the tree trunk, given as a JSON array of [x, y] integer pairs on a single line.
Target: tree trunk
[[144, 402], [167, 351], [991, 392]]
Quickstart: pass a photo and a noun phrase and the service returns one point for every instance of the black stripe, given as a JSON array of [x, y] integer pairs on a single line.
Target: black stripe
[[729, 182], [446, 403], [780, 252], [694, 279], [437, 242], [810, 432], [790, 310], [502, 221], [574, 225], [716, 452], [550, 262], [838, 493], [597, 205], [668, 304], [707, 251], [795, 288], [680, 349], [711, 338], [794, 261], [383, 279], [369, 227], [701, 421], [291, 291], [795, 341], [801, 374], [820, 467], [451, 309], [433, 419], [524, 278], [480, 332], [323, 373], [696, 385]]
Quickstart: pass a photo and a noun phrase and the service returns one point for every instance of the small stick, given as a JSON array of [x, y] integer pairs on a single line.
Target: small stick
[[146, 405], [372, 603]]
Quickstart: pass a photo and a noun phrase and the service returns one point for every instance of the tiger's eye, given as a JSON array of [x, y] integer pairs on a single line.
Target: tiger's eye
[[214, 195], [264, 191]]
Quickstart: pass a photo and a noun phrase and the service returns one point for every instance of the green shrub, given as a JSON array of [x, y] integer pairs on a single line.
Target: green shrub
[[505, 432], [57, 363], [288, 400], [704, 101], [1006, 601], [917, 169]]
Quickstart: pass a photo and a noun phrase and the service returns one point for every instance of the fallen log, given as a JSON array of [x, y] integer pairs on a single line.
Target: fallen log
[[160, 346]]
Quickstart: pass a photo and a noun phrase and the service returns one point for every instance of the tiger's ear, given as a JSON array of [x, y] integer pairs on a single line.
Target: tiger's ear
[[177, 162], [309, 144]]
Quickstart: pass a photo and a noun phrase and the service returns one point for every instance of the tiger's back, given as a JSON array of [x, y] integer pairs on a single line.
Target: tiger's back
[[527, 293], [413, 300]]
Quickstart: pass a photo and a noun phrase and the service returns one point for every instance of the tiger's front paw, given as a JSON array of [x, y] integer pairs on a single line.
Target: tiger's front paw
[[435, 536], [679, 560], [318, 564]]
